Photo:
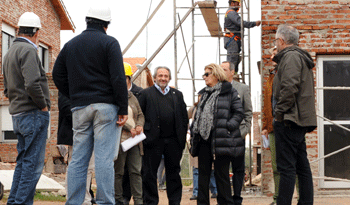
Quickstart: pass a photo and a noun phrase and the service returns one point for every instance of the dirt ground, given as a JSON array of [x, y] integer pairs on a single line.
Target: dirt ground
[[247, 200]]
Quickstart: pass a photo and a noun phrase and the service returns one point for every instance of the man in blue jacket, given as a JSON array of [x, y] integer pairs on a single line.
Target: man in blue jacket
[[232, 25], [89, 70]]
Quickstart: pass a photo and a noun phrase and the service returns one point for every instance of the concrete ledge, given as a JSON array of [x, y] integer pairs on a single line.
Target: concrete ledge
[[45, 183]]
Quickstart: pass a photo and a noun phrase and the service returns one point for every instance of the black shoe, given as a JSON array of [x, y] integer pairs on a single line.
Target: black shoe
[[126, 201], [93, 201], [118, 203], [214, 196], [193, 197]]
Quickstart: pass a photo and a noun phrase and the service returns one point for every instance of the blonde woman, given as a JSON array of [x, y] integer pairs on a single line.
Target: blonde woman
[[215, 134]]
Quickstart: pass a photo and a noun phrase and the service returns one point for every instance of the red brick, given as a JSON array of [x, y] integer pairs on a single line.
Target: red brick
[[272, 17], [269, 27], [326, 21], [304, 27], [319, 16], [268, 7], [343, 21], [286, 17], [50, 36], [337, 16], [310, 22], [289, 8], [294, 12], [336, 26], [303, 17]]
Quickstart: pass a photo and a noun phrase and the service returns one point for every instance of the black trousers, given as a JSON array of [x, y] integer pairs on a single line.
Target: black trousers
[[238, 165], [170, 148], [221, 172], [291, 158]]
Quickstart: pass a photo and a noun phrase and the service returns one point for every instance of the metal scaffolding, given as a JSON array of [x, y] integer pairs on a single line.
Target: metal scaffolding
[[212, 16]]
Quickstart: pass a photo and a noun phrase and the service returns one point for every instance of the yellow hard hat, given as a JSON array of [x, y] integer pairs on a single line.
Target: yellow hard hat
[[127, 68], [239, 1]]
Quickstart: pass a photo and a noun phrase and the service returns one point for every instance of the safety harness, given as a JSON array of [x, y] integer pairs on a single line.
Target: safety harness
[[229, 34]]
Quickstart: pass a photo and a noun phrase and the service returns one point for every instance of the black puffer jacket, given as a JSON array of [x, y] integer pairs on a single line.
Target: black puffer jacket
[[226, 137]]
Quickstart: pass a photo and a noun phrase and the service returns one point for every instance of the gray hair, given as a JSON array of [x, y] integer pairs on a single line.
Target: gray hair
[[288, 33], [231, 67], [159, 67]]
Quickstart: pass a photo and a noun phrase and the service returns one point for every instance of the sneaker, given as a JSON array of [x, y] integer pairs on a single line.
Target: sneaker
[[193, 197], [214, 195]]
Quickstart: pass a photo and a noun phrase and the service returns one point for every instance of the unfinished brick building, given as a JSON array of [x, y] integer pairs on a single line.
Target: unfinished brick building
[[54, 18], [324, 28]]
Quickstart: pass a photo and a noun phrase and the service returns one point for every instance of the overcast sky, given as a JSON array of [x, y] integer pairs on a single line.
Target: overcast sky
[[129, 16]]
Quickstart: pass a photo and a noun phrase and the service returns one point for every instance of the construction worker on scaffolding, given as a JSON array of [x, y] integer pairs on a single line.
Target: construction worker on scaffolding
[[232, 26]]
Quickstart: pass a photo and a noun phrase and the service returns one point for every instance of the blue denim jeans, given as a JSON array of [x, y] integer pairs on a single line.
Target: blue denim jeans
[[95, 129], [31, 130], [212, 184]]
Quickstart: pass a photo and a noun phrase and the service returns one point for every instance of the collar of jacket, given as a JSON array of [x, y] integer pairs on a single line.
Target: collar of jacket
[[305, 55], [225, 88], [95, 27], [25, 40]]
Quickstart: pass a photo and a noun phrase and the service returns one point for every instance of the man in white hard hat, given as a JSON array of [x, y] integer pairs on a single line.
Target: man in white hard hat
[[89, 70], [26, 87]]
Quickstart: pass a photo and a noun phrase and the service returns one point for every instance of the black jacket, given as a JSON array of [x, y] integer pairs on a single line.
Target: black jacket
[[136, 90], [65, 131], [226, 136], [150, 109], [89, 69]]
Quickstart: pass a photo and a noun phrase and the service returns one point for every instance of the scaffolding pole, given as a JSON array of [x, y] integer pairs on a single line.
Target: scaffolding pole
[[143, 27], [162, 45]]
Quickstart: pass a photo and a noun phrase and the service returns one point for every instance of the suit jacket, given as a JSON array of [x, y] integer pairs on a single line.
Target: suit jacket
[[65, 124], [244, 93], [136, 90], [150, 109]]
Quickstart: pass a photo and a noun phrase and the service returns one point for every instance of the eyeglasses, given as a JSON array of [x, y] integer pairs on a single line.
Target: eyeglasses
[[206, 74]]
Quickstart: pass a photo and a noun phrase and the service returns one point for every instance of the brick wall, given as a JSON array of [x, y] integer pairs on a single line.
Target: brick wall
[[324, 29], [50, 36]]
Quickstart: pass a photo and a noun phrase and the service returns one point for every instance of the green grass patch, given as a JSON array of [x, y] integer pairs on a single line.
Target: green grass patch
[[4, 199], [39, 196]]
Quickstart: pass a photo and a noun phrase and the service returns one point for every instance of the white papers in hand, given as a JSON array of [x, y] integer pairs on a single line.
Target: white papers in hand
[[132, 141], [266, 142]]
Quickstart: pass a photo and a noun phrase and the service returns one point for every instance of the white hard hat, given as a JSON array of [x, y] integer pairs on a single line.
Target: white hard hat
[[100, 12], [29, 19]]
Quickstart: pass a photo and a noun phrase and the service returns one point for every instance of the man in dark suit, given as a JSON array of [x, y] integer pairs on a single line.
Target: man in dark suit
[[165, 127]]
